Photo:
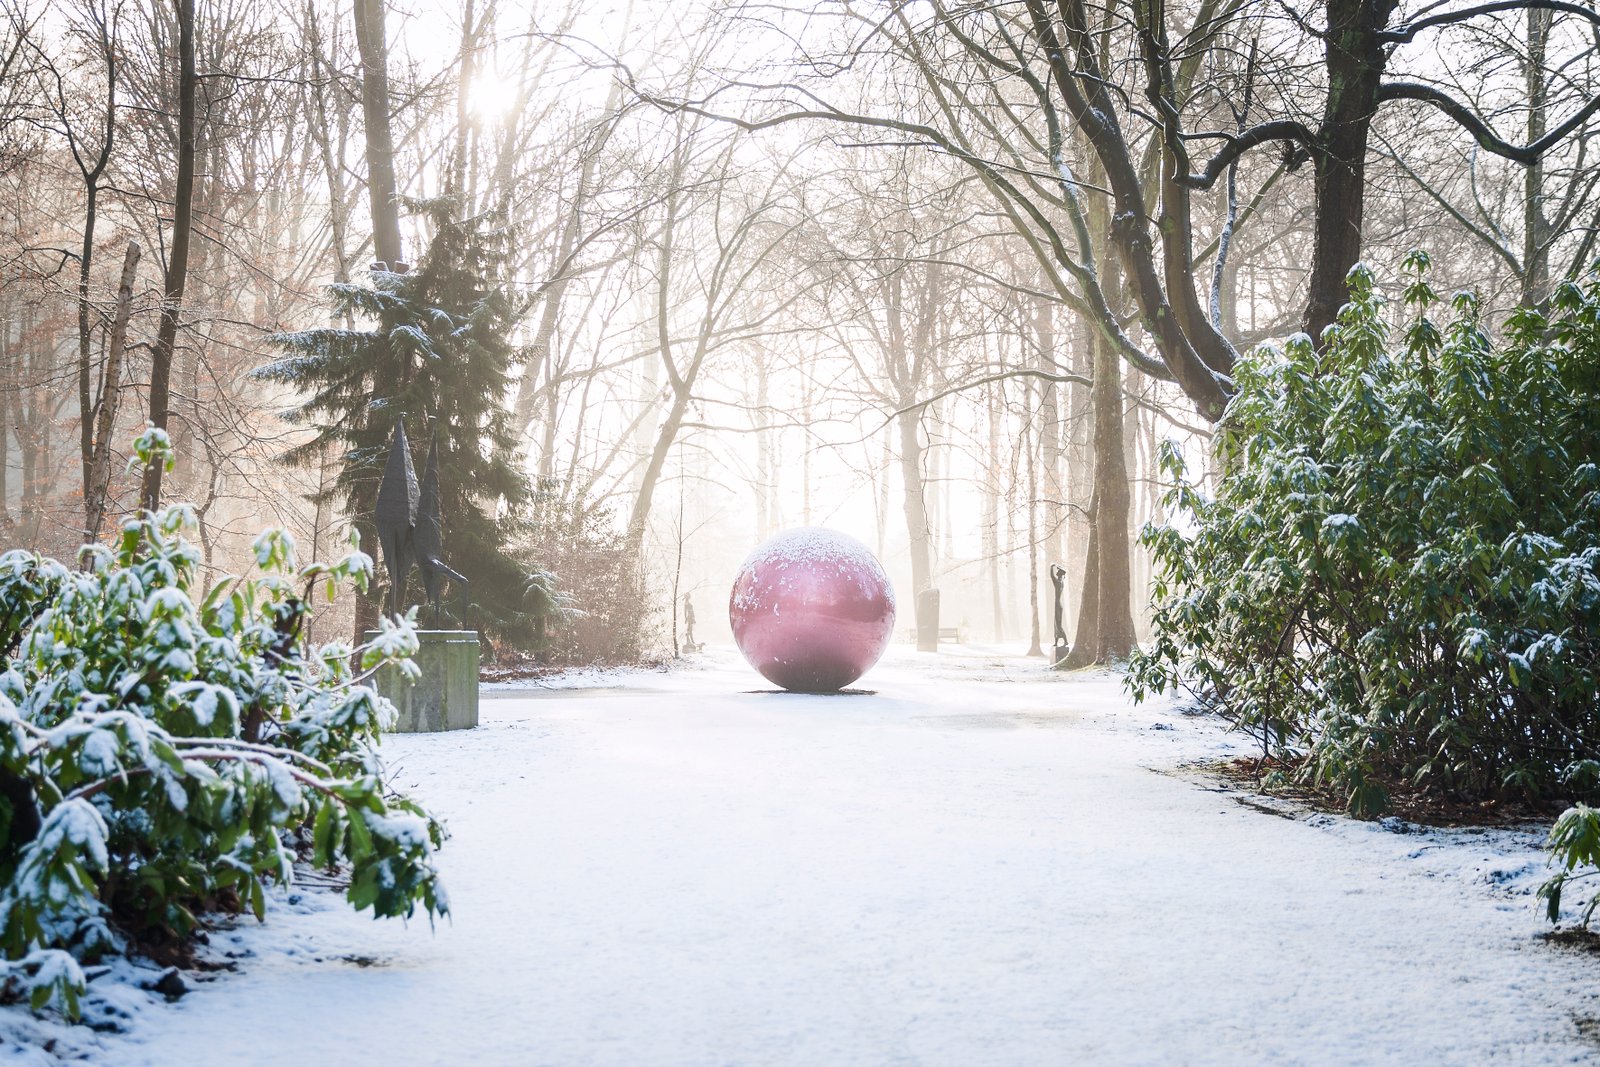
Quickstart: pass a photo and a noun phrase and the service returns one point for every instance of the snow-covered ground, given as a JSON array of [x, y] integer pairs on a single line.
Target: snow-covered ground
[[979, 863]]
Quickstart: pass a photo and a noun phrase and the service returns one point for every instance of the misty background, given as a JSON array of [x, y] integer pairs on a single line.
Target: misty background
[[735, 301]]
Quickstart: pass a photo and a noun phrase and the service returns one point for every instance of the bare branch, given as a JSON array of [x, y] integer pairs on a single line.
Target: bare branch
[[1469, 120], [1408, 32]]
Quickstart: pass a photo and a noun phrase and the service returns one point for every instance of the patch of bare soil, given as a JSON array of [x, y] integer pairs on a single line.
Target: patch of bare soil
[[511, 665], [1281, 778], [1579, 939]]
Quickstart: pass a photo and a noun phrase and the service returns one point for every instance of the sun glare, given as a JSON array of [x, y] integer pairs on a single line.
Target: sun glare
[[491, 97]]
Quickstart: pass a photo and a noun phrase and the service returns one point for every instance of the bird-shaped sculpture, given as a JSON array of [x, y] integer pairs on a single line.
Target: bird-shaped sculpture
[[410, 529], [396, 514], [429, 540]]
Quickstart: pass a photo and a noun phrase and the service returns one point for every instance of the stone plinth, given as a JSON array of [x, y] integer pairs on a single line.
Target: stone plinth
[[445, 697]]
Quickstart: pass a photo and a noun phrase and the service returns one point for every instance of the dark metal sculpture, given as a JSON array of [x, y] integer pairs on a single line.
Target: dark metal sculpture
[[396, 514], [430, 537], [409, 526], [689, 643], [429, 541], [1058, 578]]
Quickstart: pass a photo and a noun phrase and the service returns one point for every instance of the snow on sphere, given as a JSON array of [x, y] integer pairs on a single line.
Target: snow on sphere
[[812, 609]]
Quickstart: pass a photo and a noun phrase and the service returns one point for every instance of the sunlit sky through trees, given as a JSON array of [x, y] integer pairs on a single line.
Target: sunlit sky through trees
[[735, 319]]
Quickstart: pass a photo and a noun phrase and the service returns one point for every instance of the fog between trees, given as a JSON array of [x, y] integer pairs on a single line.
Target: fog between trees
[[941, 275]]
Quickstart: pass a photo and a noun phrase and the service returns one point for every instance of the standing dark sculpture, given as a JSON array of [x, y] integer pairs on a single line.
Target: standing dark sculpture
[[689, 643], [1058, 578], [428, 543], [396, 514], [430, 539], [410, 529]]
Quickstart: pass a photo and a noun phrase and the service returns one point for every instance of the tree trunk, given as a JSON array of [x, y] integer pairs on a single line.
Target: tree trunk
[[991, 513], [28, 506], [639, 520], [1050, 436], [1030, 447], [381, 191], [6, 385], [91, 202], [458, 181], [882, 504], [97, 482], [29, 422], [201, 292], [915, 505], [1085, 638], [805, 455], [1105, 619], [322, 520], [5, 478], [381, 196], [1227, 290], [322, 133], [1535, 226], [933, 486], [367, 604], [1079, 459], [680, 385], [763, 485], [85, 396], [1354, 59], [178, 258], [1113, 501]]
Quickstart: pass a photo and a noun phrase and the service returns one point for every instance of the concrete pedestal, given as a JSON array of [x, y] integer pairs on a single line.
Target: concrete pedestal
[[445, 697]]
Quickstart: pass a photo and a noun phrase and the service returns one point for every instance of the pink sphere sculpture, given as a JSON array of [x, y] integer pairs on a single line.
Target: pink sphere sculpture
[[812, 609]]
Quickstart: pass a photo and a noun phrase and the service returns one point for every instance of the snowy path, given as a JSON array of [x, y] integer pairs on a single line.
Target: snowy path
[[960, 869]]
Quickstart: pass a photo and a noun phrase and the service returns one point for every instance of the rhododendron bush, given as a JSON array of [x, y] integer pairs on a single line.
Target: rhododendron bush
[[170, 749], [1396, 577]]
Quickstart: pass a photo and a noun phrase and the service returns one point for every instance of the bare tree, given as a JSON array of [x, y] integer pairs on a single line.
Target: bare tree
[[178, 257], [1007, 89], [745, 225], [376, 104], [97, 481]]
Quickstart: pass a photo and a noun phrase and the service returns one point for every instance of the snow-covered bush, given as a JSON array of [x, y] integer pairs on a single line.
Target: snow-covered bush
[[165, 753], [1396, 579]]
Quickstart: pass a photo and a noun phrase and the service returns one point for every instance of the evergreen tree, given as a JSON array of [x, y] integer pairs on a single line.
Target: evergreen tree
[[438, 357]]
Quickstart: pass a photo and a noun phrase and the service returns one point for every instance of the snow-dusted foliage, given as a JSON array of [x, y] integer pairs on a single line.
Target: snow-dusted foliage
[[1575, 842], [1396, 578], [164, 754]]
